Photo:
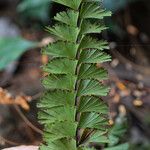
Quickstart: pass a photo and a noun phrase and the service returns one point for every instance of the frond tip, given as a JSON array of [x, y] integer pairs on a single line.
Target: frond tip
[[72, 112]]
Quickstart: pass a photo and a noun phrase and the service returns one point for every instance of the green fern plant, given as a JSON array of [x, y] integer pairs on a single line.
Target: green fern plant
[[73, 115], [117, 134]]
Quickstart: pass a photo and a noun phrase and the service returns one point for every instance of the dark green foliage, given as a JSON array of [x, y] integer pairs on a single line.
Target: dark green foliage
[[35, 9], [73, 115], [115, 5], [117, 133]]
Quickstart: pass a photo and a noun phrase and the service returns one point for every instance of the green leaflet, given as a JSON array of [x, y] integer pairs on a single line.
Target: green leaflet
[[61, 49], [63, 144], [63, 82], [92, 87], [56, 114], [61, 66], [93, 11], [93, 56], [92, 104], [62, 130], [89, 42], [71, 110], [93, 120], [98, 137], [56, 98], [88, 27], [69, 17], [91, 71], [64, 32]]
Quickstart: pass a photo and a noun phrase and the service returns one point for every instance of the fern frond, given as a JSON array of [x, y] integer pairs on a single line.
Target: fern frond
[[72, 112]]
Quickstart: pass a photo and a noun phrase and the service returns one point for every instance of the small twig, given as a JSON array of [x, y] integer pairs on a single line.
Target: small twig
[[10, 142], [27, 121], [36, 96]]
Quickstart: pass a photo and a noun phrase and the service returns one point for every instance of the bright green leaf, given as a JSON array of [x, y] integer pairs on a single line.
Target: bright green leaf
[[93, 10], [93, 121], [91, 43], [94, 56], [69, 17], [64, 82], [64, 32], [54, 98], [92, 104], [63, 144], [98, 137], [61, 66], [61, 49], [92, 87], [60, 130], [91, 71], [55, 114], [88, 27]]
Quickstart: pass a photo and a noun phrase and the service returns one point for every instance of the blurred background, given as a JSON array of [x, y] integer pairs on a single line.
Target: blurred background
[[22, 35]]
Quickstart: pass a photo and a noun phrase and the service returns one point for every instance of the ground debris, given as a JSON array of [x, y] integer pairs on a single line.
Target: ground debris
[[7, 99]]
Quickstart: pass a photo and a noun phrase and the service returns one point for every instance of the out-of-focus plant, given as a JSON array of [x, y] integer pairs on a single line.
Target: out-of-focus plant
[[115, 5], [39, 9], [36, 9], [117, 133], [12, 48]]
